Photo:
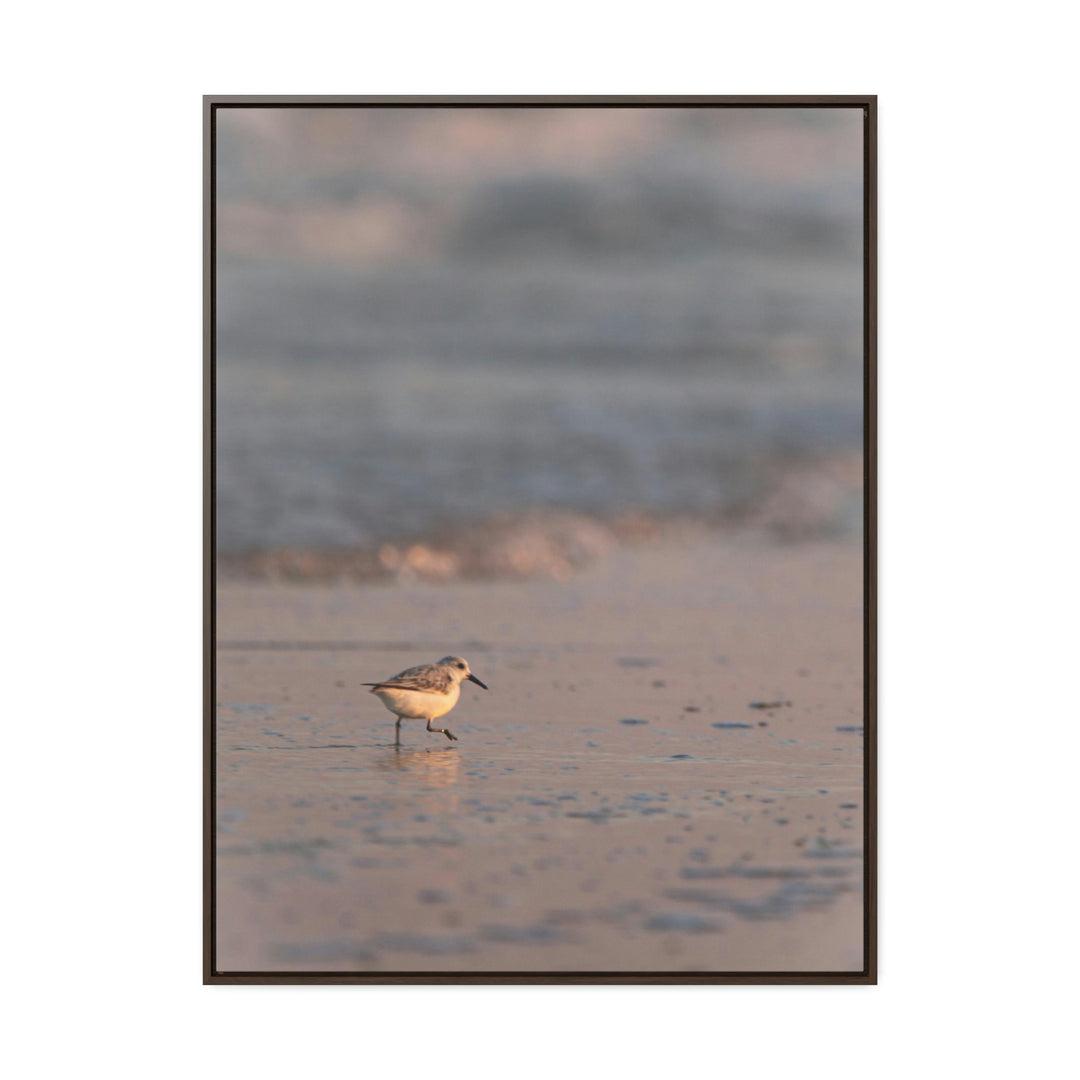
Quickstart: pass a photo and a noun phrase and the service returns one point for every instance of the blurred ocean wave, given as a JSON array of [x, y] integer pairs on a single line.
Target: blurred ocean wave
[[426, 322]]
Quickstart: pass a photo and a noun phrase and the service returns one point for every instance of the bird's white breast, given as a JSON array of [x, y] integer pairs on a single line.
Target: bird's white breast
[[418, 705]]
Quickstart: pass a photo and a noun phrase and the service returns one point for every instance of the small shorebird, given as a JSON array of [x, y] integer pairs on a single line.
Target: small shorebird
[[424, 692]]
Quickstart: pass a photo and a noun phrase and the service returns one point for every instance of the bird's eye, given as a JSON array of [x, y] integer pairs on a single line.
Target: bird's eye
[[462, 666]]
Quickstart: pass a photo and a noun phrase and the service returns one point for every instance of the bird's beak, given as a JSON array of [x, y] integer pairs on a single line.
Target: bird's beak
[[472, 678]]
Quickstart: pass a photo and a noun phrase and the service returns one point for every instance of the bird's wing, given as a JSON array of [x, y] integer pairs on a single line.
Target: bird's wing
[[425, 678]]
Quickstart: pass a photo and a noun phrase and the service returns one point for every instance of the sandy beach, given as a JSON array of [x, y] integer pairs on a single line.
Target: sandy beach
[[666, 774]]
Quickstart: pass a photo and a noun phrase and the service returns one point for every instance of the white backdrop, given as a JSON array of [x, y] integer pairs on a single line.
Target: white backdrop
[[103, 540]]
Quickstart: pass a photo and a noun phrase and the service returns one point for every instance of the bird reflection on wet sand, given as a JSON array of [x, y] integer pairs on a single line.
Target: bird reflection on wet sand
[[435, 768]]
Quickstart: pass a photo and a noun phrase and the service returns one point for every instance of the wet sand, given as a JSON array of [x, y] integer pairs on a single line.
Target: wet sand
[[619, 801]]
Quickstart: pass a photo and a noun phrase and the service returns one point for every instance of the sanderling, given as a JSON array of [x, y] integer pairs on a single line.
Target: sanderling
[[424, 692]]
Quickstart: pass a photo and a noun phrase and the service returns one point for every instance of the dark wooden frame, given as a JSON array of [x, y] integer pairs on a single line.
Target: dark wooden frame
[[868, 103]]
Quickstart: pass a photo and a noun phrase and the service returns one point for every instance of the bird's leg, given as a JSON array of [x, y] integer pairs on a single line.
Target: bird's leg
[[441, 730], [397, 732]]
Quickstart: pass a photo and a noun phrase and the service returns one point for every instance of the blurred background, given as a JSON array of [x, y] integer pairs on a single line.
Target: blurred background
[[457, 341]]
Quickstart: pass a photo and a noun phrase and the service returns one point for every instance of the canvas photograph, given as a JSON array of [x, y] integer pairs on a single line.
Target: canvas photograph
[[539, 540]]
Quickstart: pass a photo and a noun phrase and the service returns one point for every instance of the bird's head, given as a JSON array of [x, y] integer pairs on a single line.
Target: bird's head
[[459, 669]]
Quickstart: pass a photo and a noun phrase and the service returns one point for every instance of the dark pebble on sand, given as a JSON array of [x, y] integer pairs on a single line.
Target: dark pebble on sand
[[632, 720], [731, 724], [433, 896], [685, 924]]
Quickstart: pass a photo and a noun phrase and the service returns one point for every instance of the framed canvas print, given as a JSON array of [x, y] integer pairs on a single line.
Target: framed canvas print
[[540, 539]]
